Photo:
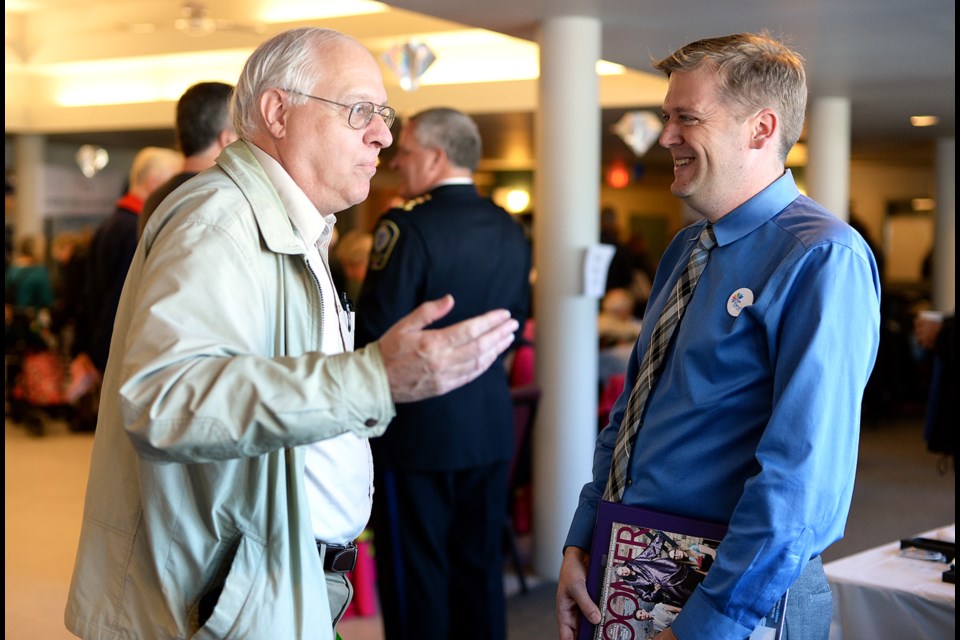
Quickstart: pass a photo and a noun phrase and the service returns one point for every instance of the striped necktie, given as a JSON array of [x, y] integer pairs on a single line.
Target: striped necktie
[[653, 363]]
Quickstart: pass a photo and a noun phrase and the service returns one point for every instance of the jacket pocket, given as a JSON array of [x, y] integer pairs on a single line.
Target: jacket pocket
[[219, 607]]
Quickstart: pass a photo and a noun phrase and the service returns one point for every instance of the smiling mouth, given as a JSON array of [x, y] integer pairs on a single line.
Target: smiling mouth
[[679, 162]]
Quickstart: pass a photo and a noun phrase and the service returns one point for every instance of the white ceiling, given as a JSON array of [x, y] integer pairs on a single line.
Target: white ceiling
[[893, 59]]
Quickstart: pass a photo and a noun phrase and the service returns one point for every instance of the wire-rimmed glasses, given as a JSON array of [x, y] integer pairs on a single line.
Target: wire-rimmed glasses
[[359, 114]]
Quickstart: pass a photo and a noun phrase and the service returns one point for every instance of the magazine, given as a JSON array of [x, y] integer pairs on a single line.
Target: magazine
[[644, 565]]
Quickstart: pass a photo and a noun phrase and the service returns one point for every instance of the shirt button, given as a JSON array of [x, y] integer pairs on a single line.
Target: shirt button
[[629, 482], [371, 422]]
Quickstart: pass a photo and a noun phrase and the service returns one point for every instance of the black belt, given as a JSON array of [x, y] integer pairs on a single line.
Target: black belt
[[338, 558]]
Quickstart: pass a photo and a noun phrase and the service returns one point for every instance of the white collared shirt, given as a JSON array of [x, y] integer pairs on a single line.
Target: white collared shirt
[[339, 471], [447, 181]]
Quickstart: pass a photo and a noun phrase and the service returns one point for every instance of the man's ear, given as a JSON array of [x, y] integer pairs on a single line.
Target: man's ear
[[274, 111], [435, 164], [763, 126], [438, 157]]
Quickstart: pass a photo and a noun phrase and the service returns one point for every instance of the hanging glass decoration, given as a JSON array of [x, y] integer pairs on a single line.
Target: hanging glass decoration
[[639, 130], [409, 61], [91, 159]]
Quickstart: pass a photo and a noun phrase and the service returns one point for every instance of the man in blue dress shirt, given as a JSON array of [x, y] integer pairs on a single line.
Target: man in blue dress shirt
[[754, 419]]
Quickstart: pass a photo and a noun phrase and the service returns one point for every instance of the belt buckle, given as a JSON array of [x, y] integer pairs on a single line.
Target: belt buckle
[[344, 559]]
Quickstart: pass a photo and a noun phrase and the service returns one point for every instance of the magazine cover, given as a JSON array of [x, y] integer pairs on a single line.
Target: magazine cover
[[644, 565]]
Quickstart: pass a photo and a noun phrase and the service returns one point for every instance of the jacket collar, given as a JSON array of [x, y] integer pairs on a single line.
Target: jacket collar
[[239, 162]]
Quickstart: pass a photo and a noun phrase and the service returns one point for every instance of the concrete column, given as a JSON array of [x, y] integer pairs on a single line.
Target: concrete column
[[28, 153], [566, 222], [945, 241], [828, 146]]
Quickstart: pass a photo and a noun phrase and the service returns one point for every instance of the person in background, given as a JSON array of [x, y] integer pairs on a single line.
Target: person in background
[[27, 282], [231, 469], [441, 468], [9, 204], [113, 245], [643, 270], [28, 297], [617, 329], [620, 271], [69, 250], [936, 334], [203, 130], [352, 253], [760, 386], [616, 323]]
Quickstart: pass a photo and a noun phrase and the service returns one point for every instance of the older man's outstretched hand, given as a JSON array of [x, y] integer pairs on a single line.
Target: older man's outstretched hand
[[422, 363]]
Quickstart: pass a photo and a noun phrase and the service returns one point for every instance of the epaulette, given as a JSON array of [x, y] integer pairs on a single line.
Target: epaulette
[[413, 202]]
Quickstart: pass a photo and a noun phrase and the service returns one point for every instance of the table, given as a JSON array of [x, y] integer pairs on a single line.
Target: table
[[878, 594]]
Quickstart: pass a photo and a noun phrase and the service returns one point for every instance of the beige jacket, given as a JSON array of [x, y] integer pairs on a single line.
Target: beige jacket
[[214, 379]]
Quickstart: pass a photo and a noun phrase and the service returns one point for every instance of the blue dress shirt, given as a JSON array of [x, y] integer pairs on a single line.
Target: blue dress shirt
[[754, 420]]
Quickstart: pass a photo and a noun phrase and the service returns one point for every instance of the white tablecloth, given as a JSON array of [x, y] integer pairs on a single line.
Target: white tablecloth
[[878, 594]]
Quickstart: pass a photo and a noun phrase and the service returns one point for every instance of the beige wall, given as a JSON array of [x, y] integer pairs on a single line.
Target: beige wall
[[905, 240]]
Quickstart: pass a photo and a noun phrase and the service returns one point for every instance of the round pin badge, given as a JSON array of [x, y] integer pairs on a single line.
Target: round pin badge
[[738, 301]]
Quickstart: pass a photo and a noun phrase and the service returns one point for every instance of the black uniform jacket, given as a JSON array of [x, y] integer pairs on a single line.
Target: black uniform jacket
[[453, 241]]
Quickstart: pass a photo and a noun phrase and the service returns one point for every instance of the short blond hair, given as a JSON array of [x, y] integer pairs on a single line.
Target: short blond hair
[[755, 72], [151, 163]]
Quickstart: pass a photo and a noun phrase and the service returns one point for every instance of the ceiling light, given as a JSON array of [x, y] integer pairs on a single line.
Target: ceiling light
[[618, 176], [142, 79], [195, 20], [924, 121], [513, 199], [605, 68], [299, 11]]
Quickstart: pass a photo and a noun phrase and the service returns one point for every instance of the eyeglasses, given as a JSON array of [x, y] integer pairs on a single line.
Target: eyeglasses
[[361, 113]]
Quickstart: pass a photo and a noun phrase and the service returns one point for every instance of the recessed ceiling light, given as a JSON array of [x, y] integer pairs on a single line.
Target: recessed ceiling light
[[924, 121]]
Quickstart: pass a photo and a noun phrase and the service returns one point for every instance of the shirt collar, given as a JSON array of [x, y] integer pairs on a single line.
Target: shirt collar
[[449, 181], [757, 210], [314, 228], [131, 203]]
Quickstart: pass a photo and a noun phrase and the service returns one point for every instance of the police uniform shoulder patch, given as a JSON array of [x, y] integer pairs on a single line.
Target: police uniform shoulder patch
[[384, 240]]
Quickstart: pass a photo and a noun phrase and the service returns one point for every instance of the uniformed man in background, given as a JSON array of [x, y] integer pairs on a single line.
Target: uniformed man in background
[[441, 477]]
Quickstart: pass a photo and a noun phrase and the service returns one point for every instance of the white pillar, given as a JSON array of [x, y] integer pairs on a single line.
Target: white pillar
[[945, 241], [828, 146], [566, 222], [28, 153]]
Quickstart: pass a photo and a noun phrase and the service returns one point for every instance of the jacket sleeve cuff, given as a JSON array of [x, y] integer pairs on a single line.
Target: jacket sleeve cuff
[[370, 404]]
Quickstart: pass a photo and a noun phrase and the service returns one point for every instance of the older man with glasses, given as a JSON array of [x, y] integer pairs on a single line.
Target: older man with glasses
[[231, 470]]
